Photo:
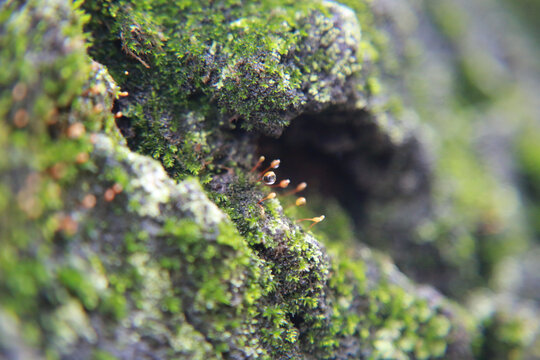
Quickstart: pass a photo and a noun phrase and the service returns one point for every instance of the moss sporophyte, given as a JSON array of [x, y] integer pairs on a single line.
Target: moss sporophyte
[[269, 178]]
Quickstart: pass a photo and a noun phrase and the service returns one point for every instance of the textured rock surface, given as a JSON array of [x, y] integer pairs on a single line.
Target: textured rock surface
[[129, 217]]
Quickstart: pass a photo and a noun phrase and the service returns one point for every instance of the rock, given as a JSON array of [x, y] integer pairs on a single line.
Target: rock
[[134, 227]]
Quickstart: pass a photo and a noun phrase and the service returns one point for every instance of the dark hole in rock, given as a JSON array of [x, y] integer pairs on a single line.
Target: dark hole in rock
[[344, 155], [383, 185]]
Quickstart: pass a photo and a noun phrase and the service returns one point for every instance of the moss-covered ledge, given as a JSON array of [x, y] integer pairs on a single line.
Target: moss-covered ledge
[[154, 267]]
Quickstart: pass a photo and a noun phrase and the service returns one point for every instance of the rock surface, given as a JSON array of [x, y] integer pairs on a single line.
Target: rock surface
[[132, 225]]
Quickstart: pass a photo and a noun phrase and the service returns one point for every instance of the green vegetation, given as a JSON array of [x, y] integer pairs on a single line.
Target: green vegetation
[[106, 252]]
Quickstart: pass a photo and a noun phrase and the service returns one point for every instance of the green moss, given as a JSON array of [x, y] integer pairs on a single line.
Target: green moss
[[114, 305], [527, 152], [258, 286], [214, 63], [394, 324], [214, 258], [232, 86], [482, 211], [478, 220], [34, 96], [102, 355], [509, 326], [77, 283], [51, 98]]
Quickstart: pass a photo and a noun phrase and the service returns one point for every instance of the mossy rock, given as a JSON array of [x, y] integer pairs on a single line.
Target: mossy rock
[[133, 224]]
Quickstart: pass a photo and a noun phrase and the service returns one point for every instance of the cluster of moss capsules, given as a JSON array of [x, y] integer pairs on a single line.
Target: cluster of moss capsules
[[268, 177]]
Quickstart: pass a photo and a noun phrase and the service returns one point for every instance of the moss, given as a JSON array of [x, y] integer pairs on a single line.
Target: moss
[[36, 97], [389, 320], [341, 300], [505, 334], [114, 304], [217, 63], [209, 30], [526, 149], [303, 264], [476, 220], [103, 355], [524, 10], [77, 283], [52, 99], [158, 265]]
